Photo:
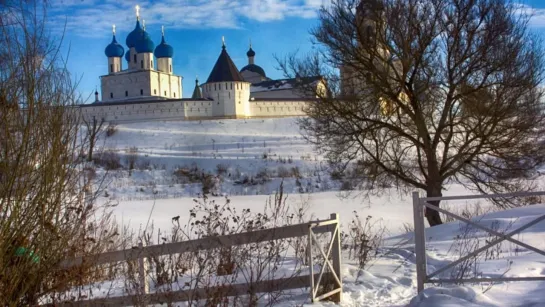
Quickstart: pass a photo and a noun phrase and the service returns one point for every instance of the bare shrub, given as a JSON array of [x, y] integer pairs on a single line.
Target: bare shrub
[[111, 129], [363, 239], [283, 172], [131, 157], [143, 164], [47, 203], [467, 211], [467, 242], [221, 169], [110, 160], [218, 269]]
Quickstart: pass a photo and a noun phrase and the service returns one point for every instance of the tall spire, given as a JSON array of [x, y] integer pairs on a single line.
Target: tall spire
[[197, 94], [223, 42], [163, 31], [137, 12], [113, 29]]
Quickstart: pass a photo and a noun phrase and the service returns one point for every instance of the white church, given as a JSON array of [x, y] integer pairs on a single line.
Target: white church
[[146, 87]]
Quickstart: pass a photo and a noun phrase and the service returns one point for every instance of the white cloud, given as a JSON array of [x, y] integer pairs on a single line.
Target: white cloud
[[92, 18], [536, 15]]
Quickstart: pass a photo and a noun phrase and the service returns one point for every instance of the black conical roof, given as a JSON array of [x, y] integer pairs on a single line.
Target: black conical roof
[[197, 91], [224, 70]]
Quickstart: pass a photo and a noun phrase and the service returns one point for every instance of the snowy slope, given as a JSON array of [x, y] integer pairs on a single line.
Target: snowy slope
[[247, 147]]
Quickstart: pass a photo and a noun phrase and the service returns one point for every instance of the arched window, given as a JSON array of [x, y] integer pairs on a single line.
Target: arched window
[[111, 67], [141, 92], [231, 85], [219, 86], [165, 93], [214, 87], [154, 91], [174, 94], [171, 68], [135, 58], [111, 95], [126, 93], [141, 63]]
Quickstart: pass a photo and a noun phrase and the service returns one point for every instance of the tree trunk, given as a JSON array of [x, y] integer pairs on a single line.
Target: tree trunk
[[91, 147], [433, 216]]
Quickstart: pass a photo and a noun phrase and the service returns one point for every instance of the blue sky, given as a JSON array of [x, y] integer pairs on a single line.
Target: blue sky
[[194, 28]]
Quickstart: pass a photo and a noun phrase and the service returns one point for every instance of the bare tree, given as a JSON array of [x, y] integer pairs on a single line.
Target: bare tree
[[94, 130], [424, 93], [45, 214]]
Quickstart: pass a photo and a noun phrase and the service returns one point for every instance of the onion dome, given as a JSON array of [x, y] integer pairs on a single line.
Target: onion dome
[[135, 35], [114, 49], [254, 68], [250, 52], [128, 56], [164, 50], [144, 43]]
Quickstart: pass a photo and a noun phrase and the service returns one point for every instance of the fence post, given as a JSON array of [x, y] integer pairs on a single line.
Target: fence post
[[142, 268], [419, 242], [336, 256], [311, 266]]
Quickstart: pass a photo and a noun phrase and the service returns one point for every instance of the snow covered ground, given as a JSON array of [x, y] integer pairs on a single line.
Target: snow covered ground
[[267, 150]]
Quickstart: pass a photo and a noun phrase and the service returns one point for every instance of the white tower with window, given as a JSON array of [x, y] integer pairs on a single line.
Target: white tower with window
[[225, 85]]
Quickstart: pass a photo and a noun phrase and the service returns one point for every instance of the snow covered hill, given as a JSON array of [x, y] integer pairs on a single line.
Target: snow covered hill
[[249, 158]]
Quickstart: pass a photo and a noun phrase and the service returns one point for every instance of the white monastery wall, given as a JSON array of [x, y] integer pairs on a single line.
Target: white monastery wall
[[277, 108]]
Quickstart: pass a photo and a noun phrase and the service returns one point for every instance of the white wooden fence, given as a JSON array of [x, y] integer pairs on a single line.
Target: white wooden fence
[[313, 281], [423, 277]]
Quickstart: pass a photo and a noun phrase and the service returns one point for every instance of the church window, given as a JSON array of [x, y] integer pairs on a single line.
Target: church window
[[226, 85], [111, 95], [231, 85], [142, 64], [126, 93], [141, 92], [111, 67], [165, 93], [171, 68], [214, 87], [174, 94], [154, 91], [134, 58]]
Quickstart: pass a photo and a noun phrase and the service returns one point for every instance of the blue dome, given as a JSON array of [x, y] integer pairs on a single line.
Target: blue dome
[[144, 44], [114, 50], [135, 35], [128, 56], [164, 50]]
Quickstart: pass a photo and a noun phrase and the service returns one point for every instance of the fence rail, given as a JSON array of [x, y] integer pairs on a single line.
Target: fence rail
[[313, 281], [422, 275]]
